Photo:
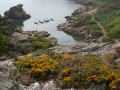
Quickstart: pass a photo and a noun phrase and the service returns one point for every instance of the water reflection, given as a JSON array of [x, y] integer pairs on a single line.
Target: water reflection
[[19, 23]]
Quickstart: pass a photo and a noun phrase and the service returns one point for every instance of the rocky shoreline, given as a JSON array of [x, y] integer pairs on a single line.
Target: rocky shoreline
[[74, 24]]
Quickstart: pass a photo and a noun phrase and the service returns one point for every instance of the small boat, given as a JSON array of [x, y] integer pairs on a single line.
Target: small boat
[[46, 21], [41, 22], [51, 19], [36, 23]]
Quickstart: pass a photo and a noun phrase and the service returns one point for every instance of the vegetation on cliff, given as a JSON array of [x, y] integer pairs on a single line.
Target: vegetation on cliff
[[4, 44], [42, 44], [71, 71], [108, 15]]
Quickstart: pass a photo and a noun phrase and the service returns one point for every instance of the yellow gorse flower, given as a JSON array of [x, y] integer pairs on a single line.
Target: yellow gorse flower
[[37, 65]]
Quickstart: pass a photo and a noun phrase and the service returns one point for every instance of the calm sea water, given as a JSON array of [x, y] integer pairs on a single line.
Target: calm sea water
[[45, 9]]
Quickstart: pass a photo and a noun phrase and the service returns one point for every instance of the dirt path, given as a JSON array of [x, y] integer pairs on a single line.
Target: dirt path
[[105, 34], [92, 13], [103, 30]]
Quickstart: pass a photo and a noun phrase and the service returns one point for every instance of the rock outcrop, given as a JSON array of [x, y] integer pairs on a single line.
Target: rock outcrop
[[98, 49], [78, 24], [21, 41], [17, 12], [7, 26], [42, 33], [5, 82]]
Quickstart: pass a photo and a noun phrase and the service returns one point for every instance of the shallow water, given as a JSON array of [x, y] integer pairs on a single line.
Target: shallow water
[[45, 9]]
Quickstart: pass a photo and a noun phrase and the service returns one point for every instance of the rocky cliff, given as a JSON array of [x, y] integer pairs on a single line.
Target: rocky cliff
[[17, 12], [7, 26]]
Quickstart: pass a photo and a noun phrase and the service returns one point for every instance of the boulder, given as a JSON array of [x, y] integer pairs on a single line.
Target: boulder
[[35, 86], [53, 40], [68, 17], [70, 49], [17, 12], [42, 33], [79, 10], [5, 80], [117, 61], [97, 87], [20, 37], [50, 85], [7, 84]]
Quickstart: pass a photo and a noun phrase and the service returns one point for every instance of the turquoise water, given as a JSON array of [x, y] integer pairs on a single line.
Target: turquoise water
[[45, 9]]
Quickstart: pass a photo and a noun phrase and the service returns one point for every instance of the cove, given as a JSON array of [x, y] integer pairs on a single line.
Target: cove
[[42, 10]]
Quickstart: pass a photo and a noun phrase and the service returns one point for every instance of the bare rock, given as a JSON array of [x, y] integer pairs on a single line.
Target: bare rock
[[17, 12], [7, 26]]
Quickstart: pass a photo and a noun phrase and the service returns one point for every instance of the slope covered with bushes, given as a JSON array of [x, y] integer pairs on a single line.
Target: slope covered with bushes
[[71, 71], [4, 44]]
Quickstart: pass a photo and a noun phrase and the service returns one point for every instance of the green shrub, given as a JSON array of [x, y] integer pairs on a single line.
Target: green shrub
[[108, 40], [4, 44], [43, 44], [114, 28], [115, 32], [38, 36], [95, 28], [85, 21]]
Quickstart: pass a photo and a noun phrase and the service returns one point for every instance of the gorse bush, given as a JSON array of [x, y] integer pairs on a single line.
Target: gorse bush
[[4, 44], [42, 66], [109, 57], [71, 71], [91, 70], [117, 49]]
